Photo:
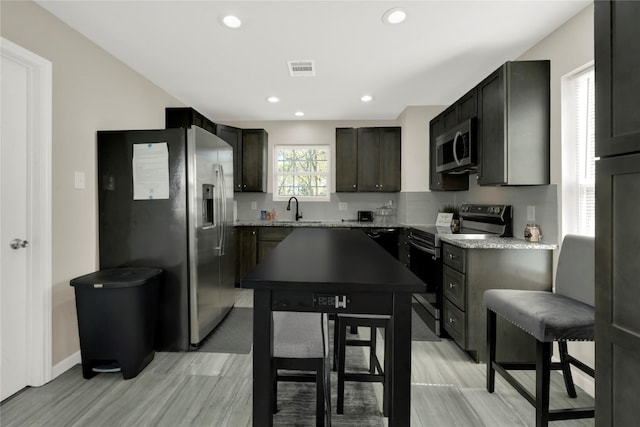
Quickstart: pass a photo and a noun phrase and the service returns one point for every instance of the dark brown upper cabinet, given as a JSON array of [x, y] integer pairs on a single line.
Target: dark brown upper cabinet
[[617, 79], [184, 117], [249, 157], [513, 125], [379, 159], [254, 160], [368, 159], [233, 137], [346, 160]]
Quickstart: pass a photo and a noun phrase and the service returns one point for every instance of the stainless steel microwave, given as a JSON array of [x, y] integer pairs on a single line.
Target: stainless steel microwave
[[456, 149]]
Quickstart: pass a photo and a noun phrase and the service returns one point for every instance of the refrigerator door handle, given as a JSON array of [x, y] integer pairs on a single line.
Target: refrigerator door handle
[[223, 203]]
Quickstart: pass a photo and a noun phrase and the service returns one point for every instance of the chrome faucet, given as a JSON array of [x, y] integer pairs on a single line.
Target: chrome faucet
[[298, 216]]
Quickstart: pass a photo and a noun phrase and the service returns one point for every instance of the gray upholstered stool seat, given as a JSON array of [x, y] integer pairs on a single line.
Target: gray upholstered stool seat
[[298, 335], [300, 343], [545, 315], [564, 315]]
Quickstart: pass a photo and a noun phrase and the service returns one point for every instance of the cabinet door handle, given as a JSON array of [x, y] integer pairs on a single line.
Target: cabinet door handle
[[452, 320], [451, 285]]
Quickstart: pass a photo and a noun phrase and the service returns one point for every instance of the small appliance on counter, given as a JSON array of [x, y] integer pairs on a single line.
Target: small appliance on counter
[[365, 216]]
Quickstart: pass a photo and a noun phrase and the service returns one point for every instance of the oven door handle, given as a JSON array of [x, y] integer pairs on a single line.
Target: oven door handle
[[431, 251]]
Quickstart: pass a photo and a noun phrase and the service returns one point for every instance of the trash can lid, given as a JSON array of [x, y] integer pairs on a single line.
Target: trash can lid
[[117, 277]]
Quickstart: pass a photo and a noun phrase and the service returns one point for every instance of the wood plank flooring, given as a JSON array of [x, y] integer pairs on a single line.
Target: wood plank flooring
[[213, 389]]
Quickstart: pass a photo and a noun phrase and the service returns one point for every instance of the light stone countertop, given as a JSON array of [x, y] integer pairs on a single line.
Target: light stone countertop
[[324, 224], [497, 243], [466, 243]]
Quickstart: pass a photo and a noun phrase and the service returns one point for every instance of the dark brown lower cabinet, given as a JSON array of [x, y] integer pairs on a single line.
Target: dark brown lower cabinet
[[246, 250], [467, 273]]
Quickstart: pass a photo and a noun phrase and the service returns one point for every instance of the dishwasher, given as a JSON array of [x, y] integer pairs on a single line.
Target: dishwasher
[[385, 237]]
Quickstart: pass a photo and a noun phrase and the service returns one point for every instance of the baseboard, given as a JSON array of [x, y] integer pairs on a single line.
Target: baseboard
[[584, 381], [65, 365]]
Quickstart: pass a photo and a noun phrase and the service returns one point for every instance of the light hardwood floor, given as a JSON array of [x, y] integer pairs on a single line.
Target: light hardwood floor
[[213, 389]]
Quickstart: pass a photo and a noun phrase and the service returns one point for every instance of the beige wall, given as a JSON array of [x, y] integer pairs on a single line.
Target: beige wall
[[91, 91], [570, 47], [415, 146]]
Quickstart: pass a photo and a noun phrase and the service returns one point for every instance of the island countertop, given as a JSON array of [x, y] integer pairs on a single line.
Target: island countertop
[[336, 259]]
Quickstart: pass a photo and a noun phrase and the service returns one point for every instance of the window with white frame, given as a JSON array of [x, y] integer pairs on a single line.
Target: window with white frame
[[578, 153], [301, 171]]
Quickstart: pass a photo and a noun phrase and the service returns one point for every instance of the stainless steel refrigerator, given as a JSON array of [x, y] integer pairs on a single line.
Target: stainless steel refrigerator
[[166, 201]]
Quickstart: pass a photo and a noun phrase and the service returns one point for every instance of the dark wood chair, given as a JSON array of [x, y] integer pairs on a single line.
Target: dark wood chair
[[300, 343], [376, 372], [564, 315]]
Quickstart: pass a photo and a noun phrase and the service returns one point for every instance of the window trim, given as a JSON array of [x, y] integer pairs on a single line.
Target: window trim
[[324, 147], [569, 181]]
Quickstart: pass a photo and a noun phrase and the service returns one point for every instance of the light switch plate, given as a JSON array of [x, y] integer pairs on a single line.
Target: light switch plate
[[254, 206], [342, 206]]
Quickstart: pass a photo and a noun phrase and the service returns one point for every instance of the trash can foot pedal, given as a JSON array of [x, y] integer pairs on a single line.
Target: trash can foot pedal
[[108, 367]]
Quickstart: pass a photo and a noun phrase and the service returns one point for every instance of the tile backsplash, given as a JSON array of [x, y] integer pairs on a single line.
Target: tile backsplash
[[420, 207]]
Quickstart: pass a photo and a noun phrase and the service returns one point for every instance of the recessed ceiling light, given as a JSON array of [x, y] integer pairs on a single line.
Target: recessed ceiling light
[[231, 21], [273, 99], [394, 16], [299, 114], [366, 98]]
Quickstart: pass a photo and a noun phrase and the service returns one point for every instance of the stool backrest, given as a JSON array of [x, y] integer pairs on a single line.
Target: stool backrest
[[575, 276]]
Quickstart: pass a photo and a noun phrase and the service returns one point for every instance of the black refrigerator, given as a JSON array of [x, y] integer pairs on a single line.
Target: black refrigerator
[[166, 200]]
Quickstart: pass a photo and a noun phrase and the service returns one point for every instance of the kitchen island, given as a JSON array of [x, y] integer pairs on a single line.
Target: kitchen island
[[318, 262]]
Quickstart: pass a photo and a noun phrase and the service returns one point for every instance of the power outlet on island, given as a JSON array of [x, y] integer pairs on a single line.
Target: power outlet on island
[[331, 300], [342, 206]]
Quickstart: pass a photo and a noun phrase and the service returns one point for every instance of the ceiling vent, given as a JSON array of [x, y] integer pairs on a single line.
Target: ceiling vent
[[302, 68]]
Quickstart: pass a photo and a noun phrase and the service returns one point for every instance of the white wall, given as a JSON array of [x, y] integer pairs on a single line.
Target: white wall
[[91, 91]]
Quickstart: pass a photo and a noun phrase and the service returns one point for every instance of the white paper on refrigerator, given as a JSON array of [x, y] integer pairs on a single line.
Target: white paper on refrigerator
[[150, 171]]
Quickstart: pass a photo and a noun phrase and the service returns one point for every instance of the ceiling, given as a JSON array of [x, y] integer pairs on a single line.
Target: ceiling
[[441, 50]]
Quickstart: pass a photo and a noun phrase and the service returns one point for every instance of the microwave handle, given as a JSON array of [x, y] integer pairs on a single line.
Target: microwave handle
[[455, 143]]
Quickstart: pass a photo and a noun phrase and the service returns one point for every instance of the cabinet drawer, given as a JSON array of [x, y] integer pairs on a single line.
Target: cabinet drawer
[[454, 286], [454, 257], [454, 321], [273, 234]]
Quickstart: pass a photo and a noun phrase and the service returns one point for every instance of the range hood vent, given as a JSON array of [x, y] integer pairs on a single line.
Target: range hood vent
[[302, 68]]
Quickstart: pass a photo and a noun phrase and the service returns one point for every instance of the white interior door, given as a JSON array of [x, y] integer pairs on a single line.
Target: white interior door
[[13, 180], [25, 220]]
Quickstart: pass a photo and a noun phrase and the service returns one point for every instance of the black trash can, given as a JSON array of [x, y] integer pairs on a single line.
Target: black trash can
[[117, 310]]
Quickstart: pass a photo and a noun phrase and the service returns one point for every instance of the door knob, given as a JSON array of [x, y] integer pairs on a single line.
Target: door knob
[[18, 243]]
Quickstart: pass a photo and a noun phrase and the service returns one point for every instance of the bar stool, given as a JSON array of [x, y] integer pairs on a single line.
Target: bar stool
[[564, 315], [300, 343], [376, 372]]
